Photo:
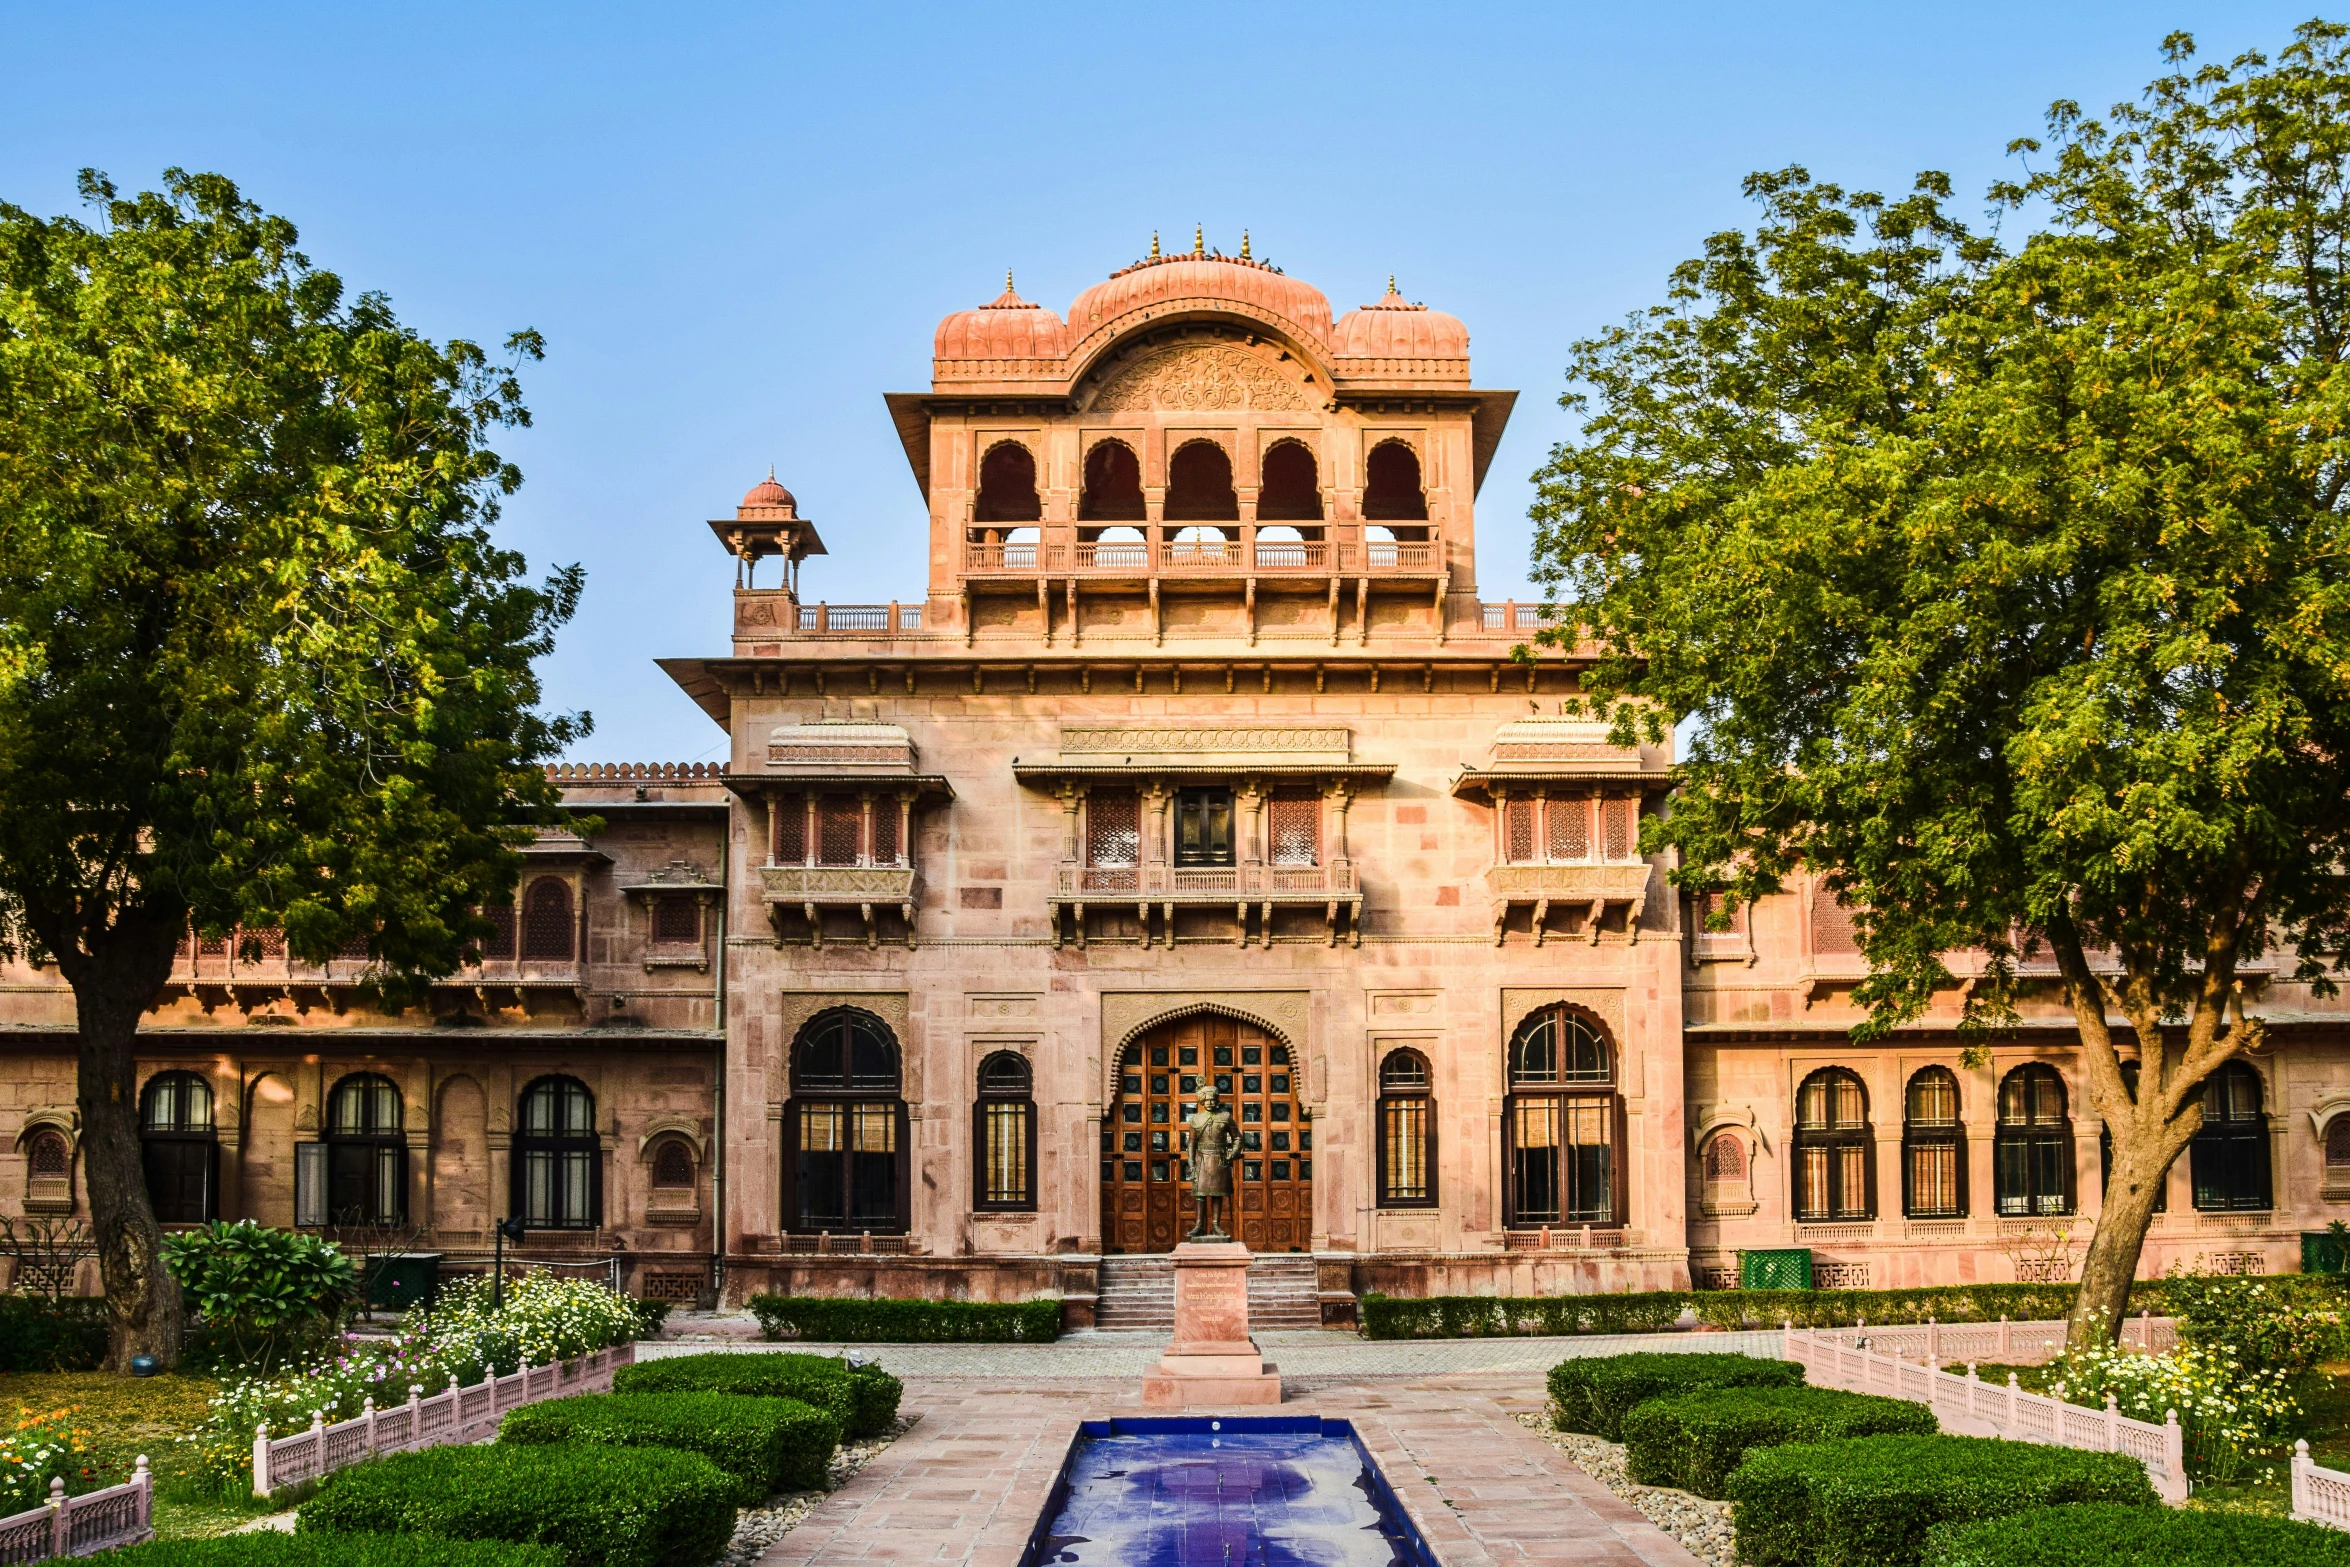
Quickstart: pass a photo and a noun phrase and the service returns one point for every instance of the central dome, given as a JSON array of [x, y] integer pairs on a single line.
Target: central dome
[[1203, 278]]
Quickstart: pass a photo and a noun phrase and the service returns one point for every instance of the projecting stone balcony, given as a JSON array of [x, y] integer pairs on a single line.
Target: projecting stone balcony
[[809, 890], [1334, 888], [1587, 885]]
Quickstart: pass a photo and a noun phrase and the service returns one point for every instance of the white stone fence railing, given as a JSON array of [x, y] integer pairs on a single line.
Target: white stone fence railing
[[1968, 1406], [2320, 1495], [455, 1414], [2003, 1342], [82, 1525]]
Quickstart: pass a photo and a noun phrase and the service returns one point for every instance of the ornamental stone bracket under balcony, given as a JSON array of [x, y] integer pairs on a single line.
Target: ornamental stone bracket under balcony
[[1591, 886], [1244, 889], [809, 890]]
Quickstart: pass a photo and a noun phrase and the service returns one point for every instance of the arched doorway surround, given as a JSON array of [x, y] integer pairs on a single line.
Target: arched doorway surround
[[1146, 1187]]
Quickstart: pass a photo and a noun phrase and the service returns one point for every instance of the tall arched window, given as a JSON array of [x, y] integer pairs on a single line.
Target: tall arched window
[[1561, 1126], [547, 931], [1407, 1131], [1199, 485], [1835, 1151], [178, 1148], [1113, 485], [1292, 491], [1933, 1147], [1393, 493], [2228, 1158], [557, 1164], [1723, 1165], [1007, 485], [845, 1134], [2032, 1151], [1004, 1135], [364, 1160], [2337, 1174]]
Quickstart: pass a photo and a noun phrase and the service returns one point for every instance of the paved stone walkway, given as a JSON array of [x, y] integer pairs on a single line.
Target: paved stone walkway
[[967, 1483], [1305, 1358]]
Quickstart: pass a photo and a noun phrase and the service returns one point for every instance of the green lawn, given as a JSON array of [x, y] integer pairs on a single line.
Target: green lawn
[[129, 1416]]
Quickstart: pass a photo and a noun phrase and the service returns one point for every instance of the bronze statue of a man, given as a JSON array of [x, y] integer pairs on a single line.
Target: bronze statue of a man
[[1214, 1139]]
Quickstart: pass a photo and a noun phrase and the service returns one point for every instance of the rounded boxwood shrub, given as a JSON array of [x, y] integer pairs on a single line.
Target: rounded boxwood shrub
[[267, 1548], [2103, 1534], [1694, 1440], [1868, 1501], [594, 1506], [1592, 1394], [864, 1397], [766, 1444]]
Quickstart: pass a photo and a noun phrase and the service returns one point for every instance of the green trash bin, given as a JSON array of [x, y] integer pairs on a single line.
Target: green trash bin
[[1789, 1269], [2322, 1251], [401, 1279]]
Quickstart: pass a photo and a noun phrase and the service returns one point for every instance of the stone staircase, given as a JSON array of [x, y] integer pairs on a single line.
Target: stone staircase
[[1138, 1294]]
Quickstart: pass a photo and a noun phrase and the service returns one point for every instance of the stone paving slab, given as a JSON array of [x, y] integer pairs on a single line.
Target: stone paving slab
[[967, 1483], [1305, 1357]]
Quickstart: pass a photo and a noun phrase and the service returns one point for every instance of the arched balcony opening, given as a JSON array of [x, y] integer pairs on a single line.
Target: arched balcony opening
[[1391, 490], [1292, 488], [1007, 485], [1113, 485], [1199, 485]]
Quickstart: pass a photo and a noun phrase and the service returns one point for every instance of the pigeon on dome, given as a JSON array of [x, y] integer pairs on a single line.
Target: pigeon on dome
[[1010, 298], [1393, 300]]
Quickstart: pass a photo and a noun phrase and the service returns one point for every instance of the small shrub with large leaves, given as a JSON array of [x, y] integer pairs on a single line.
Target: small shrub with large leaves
[[2104, 1534], [259, 1296], [1695, 1440], [766, 1444], [1593, 1393]]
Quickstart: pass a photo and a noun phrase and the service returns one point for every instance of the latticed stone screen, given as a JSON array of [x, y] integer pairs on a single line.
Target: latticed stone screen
[[885, 832], [1517, 827], [791, 832], [840, 822], [1831, 925], [1615, 826], [1775, 1270], [546, 921], [1570, 828], [676, 918], [500, 944], [1113, 834], [1297, 830]]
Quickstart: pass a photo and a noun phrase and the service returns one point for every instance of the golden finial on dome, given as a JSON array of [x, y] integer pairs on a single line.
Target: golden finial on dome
[[1391, 282], [1244, 244], [1154, 244], [1199, 239], [1008, 288]]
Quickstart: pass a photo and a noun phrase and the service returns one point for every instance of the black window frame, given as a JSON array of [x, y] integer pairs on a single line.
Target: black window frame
[[177, 1150], [1005, 1091], [2228, 1159], [367, 1156], [1919, 1134], [554, 1144], [845, 1098], [1572, 1088], [1407, 1088], [2028, 1151], [1833, 1136], [1196, 827]]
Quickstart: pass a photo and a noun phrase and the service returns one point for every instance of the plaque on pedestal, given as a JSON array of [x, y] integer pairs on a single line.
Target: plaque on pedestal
[[1212, 1361]]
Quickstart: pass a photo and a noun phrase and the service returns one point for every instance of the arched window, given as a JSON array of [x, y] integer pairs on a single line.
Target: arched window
[[546, 921], [845, 1140], [2228, 1158], [1199, 485], [1933, 1147], [364, 1160], [1292, 488], [1007, 485], [2338, 1151], [1004, 1135], [1407, 1132], [499, 946], [1561, 1126], [673, 1165], [2032, 1151], [1835, 1152], [48, 1162], [1113, 485], [1723, 1167], [557, 1164], [177, 1146], [1392, 491]]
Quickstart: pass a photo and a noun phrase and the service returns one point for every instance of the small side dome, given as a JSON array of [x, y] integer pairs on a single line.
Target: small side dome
[[767, 495], [1006, 327], [1398, 328]]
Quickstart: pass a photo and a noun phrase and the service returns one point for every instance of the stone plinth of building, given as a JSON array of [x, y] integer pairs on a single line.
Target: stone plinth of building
[[1212, 1360]]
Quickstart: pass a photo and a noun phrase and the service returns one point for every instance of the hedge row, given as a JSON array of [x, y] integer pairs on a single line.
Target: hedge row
[[1508, 1316], [594, 1505], [37, 1335], [863, 1398], [1594, 1394], [766, 1444], [1696, 1440], [2100, 1534], [267, 1548], [826, 1319], [1871, 1501]]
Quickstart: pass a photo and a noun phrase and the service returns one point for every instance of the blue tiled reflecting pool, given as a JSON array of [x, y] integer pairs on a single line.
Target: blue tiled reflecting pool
[[1272, 1491]]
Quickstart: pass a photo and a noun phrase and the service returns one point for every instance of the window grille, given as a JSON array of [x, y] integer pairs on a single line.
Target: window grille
[[501, 940], [1725, 1159], [51, 1159], [840, 824], [885, 832], [546, 921], [1831, 926], [1517, 827], [1569, 821], [673, 1164], [1711, 905], [1297, 830], [1616, 830], [1404, 1172], [260, 943], [791, 831], [1005, 1160], [677, 917], [1113, 838], [2338, 1145]]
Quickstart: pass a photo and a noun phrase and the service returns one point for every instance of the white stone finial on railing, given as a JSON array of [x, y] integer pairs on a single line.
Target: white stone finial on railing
[[2113, 1425], [2301, 1466], [261, 1459], [144, 1479], [2005, 1346], [57, 1491], [2015, 1391], [367, 1414], [1933, 1341]]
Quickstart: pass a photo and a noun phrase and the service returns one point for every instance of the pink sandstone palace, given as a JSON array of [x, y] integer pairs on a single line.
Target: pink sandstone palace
[[1198, 758]]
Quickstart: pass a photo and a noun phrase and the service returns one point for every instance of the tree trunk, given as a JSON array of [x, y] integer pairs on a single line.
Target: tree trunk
[[112, 987], [2142, 1157]]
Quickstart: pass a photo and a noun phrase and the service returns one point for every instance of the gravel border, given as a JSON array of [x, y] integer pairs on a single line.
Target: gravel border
[[756, 1529], [1702, 1527]]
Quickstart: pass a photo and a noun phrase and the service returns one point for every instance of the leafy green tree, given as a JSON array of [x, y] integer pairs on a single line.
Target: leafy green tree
[[261, 663], [2007, 581]]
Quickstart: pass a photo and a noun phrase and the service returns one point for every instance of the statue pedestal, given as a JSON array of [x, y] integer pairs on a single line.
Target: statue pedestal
[[1212, 1361]]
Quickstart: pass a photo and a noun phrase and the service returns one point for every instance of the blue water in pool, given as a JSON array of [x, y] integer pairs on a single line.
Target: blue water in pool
[[1265, 1492]]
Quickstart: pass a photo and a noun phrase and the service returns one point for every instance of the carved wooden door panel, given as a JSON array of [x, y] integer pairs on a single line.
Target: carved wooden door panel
[[1146, 1190]]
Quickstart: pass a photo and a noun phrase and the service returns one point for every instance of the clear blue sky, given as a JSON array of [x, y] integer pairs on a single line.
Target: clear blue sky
[[738, 226]]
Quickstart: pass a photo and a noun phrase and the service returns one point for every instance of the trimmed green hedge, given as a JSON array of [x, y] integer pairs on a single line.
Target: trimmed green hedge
[[766, 1444], [1869, 1501], [865, 1398], [2101, 1534], [828, 1319], [36, 1335], [1593, 1393], [594, 1506], [267, 1548], [1512, 1316], [1696, 1439]]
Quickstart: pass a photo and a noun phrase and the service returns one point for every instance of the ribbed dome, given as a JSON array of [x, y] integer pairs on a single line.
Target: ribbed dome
[[768, 493], [1395, 328], [1203, 277], [1006, 327]]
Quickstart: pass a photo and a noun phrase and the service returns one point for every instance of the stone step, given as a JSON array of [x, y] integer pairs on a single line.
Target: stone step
[[1138, 1294]]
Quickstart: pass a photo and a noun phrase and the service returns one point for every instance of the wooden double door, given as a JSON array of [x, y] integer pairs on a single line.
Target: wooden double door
[[1146, 1169]]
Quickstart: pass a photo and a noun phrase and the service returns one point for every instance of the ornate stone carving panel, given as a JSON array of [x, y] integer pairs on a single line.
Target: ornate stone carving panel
[[1606, 1005], [1200, 378], [893, 1007]]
